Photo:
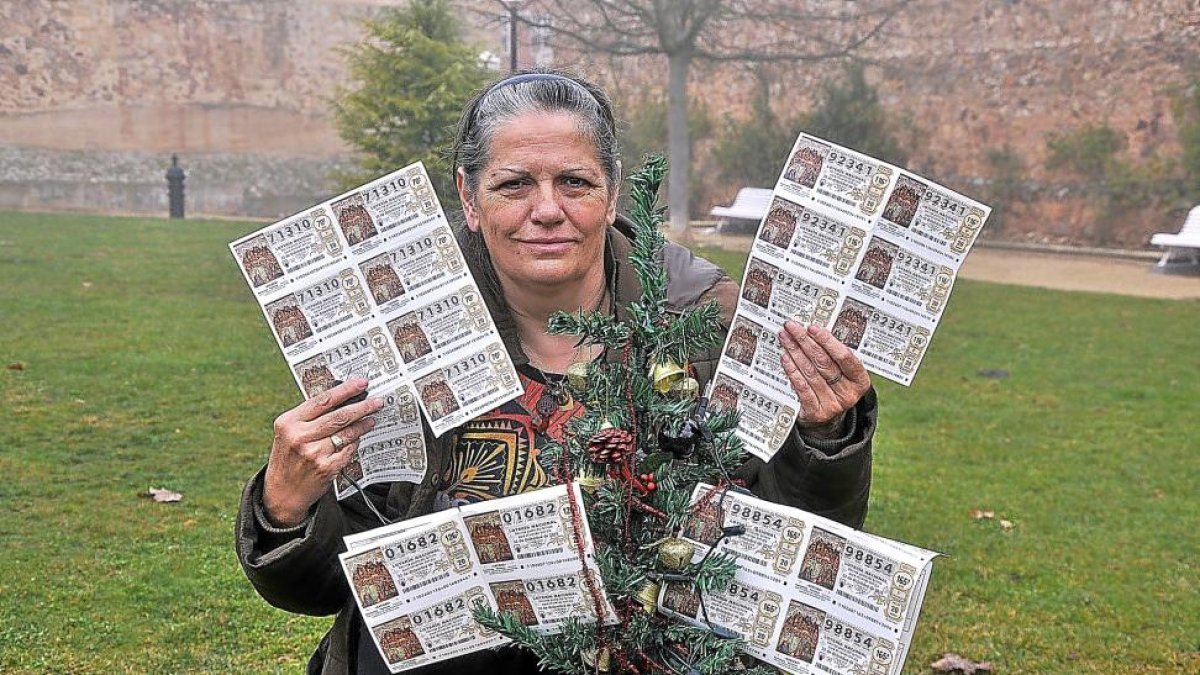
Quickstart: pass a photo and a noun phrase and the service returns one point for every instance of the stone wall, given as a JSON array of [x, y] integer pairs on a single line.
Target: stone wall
[[979, 75], [102, 181], [243, 85], [95, 96]]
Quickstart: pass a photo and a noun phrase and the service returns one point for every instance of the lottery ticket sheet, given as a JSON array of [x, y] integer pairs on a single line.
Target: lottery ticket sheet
[[417, 582], [372, 284], [865, 249], [810, 595]]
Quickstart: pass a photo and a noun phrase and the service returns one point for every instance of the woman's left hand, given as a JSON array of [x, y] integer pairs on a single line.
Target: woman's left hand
[[826, 376]]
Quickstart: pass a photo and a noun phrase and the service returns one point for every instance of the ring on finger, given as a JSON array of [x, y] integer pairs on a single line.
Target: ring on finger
[[338, 442], [834, 380]]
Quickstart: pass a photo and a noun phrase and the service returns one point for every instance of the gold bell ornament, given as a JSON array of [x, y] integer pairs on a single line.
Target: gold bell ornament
[[577, 375], [675, 554], [648, 596], [685, 389], [590, 480], [600, 661], [663, 375]]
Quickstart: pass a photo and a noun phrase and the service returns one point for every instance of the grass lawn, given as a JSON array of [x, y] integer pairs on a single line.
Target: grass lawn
[[147, 363]]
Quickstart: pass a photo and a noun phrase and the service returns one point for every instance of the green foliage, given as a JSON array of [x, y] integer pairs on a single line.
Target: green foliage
[[413, 76], [643, 132], [848, 113], [1093, 153], [1007, 171], [1185, 107], [162, 372], [750, 151], [574, 640], [1089, 151]]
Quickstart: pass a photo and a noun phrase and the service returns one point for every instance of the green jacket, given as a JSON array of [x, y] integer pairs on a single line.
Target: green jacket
[[297, 569]]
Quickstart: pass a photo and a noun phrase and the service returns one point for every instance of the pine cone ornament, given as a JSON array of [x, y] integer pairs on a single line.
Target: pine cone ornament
[[609, 446]]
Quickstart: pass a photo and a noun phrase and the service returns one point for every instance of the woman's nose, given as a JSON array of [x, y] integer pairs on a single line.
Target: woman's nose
[[546, 209]]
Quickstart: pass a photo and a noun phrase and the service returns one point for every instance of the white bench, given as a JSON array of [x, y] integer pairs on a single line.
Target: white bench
[[1181, 246], [749, 204]]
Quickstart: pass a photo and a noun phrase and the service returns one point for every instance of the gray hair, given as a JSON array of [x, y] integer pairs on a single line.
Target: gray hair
[[535, 91]]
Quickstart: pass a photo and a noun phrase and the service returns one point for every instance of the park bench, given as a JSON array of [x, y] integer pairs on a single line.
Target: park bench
[[750, 204], [1181, 249]]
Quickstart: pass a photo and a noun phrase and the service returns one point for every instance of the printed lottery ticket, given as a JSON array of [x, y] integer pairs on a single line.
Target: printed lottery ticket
[[525, 531], [865, 249], [393, 451], [416, 588], [415, 582], [551, 596], [435, 631], [409, 566], [810, 595], [372, 284]]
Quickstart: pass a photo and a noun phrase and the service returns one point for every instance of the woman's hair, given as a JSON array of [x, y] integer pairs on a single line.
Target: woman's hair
[[534, 91]]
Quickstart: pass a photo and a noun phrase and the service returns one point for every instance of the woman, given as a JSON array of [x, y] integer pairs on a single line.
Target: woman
[[538, 176]]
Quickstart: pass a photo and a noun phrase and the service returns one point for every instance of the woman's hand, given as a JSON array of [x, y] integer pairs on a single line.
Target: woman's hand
[[826, 376], [313, 441]]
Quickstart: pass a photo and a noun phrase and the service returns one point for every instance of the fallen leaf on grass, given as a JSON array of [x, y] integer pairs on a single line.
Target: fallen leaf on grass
[[1157, 494], [1007, 525], [16, 365], [162, 495], [87, 284], [953, 663], [980, 514]]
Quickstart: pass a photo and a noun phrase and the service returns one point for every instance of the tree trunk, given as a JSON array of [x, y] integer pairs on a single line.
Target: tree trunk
[[679, 144]]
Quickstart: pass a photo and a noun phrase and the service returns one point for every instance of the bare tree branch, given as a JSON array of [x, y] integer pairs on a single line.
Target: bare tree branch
[[721, 31]]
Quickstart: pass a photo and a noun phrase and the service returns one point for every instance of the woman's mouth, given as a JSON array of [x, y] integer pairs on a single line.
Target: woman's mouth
[[548, 246]]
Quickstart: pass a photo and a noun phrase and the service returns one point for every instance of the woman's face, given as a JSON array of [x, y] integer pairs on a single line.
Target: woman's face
[[543, 203]]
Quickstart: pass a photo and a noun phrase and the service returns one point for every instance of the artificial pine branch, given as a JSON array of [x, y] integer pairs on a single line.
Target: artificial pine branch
[[598, 326], [563, 655], [714, 572], [692, 332]]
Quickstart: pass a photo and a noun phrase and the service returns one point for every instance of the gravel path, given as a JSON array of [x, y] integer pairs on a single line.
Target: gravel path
[[1071, 272]]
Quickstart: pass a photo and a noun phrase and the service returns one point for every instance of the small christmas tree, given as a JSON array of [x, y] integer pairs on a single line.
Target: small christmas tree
[[639, 451]]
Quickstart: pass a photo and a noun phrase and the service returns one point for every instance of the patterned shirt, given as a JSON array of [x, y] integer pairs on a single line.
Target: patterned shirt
[[497, 454]]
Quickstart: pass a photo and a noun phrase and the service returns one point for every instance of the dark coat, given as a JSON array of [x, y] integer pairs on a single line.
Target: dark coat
[[297, 569]]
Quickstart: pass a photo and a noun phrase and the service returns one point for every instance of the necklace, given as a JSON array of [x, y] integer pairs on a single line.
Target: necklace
[[554, 396]]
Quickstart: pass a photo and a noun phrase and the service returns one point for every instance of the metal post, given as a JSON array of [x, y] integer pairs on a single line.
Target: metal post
[[175, 178], [512, 33]]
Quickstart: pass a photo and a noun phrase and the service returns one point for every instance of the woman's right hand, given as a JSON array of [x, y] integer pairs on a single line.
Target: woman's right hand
[[304, 458]]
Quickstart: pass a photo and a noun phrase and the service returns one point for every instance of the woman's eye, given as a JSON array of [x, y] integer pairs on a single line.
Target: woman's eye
[[576, 182]]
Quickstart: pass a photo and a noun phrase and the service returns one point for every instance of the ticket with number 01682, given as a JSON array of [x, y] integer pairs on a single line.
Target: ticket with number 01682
[[417, 582]]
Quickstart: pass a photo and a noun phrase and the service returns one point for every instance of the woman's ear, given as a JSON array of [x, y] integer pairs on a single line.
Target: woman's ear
[[460, 181], [611, 215]]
